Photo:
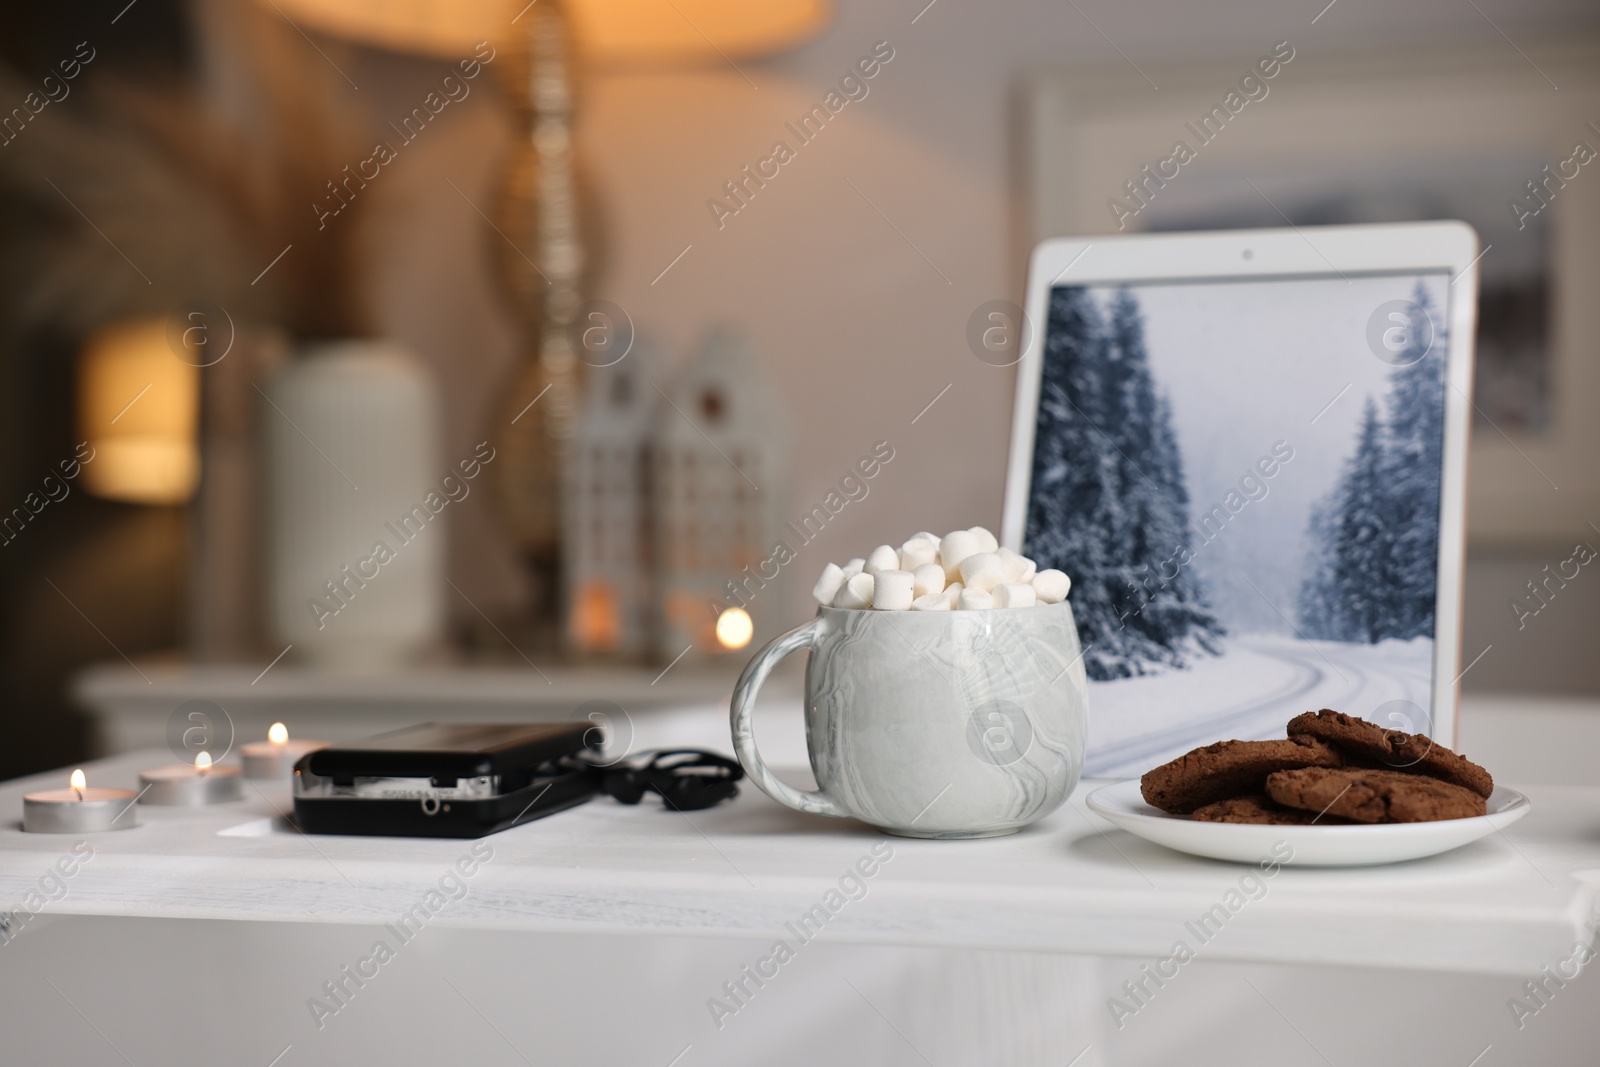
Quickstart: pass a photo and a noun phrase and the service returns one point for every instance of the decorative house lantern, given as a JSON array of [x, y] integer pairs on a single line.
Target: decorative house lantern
[[610, 566], [719, 463]]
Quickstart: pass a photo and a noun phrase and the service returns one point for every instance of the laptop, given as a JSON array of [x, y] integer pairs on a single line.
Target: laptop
[[1248, 451]]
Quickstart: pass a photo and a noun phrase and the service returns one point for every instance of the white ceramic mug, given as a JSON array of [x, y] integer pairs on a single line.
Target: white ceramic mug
[[941, 724]]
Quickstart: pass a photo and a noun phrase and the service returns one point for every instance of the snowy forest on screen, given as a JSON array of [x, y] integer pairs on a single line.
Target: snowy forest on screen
[[1109, 502], [1374, 553]]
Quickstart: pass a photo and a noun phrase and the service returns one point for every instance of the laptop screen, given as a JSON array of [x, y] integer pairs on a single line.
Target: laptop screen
[[1242, 478]]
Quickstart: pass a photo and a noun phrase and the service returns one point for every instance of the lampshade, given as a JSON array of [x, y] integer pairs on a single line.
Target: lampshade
[[620, 32], [138, 408]]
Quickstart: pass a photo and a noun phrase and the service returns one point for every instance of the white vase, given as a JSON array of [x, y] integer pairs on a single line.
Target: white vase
[[356, 556]]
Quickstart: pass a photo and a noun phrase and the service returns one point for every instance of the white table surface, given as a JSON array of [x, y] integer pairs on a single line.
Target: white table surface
[[1507, 904]]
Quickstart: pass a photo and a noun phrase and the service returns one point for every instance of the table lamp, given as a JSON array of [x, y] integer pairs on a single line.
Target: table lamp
[[542, 205]]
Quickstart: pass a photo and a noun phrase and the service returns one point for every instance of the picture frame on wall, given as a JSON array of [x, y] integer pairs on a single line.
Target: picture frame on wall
[[1290, 137]]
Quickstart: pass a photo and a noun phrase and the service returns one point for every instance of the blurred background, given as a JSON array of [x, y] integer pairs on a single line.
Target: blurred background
[[378, 356]]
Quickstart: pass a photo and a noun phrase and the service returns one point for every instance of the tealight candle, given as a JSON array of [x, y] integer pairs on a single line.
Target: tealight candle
[[276, 756], [181, 785], [78, 809]]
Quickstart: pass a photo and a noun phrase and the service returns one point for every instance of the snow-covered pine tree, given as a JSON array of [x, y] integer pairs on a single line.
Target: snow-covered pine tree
[[1363, 598], [1071, 500], [1373, 560], [1316, 604], [1167, 605], [1107, 503], [1413, 443], [1189, 603]]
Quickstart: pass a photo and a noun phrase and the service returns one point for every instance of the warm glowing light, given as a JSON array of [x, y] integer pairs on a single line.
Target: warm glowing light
[[202, 762], [734, 628], [79, 783], [595, 621], [138, 412], [625, 32], [278, 733]]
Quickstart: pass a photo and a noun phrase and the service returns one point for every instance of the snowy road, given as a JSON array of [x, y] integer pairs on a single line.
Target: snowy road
[[1251, 691]]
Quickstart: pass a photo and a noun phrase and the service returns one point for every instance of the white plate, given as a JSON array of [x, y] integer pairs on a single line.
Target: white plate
[[1314, 846]]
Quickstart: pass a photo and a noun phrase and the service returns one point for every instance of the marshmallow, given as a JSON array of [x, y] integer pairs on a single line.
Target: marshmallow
[[929, 579], [964, 570], [1051, 586], [1018, 568], [827, 586], [953, 549], [916, 552], [982, 570], [974, 600], [893, 590], [882, 558], [856, 592], [1014, 595]]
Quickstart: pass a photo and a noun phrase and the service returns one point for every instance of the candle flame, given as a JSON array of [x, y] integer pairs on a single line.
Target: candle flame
[[78, 782], [202, 762], [278, 733]]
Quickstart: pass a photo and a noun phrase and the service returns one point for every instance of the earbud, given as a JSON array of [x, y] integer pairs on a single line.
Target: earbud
[[688, 779]]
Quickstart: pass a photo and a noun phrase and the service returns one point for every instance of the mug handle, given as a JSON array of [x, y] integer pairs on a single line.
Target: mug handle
[[744, 740]]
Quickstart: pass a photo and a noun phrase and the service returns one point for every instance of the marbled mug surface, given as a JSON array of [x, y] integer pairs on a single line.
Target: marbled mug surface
[[944, 724]]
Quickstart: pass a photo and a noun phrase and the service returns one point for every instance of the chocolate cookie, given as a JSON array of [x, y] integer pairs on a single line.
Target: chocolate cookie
[[1373, 796], [1392, 749], [1262, 809], [1228, 769]]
